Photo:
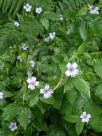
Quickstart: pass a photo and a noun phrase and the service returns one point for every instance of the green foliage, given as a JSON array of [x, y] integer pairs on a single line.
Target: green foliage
[[24, 117], [77, 40], [82, 86], [79, 127]]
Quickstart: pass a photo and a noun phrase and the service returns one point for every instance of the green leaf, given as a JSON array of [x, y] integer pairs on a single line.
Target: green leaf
[[57, 132], [7, 94], [50, 15], [79, 127], [98, 92], [71, 118], [98, 28], [70, 92], [45, 23], [58, 97], [72, 95], [24, 117], [48, 101], [11, 111], [96, 115], [83, 31], [33, 98], [98, 69], [66, 107], [82, 86], [81, 48], [82, 11], [32, 25], [2, 133]]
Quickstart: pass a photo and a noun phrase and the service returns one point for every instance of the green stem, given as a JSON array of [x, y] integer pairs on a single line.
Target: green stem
[[17, 131], [98, 52], [24, 97], [5, 84], [59, 83]]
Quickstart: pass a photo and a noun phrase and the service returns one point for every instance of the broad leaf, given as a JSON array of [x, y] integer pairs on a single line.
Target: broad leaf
[[98, 92], [83, 31], [79, 127], [70, 92], [71, 118], [82, 86], [24, 117], [11, 111], [98, 69]]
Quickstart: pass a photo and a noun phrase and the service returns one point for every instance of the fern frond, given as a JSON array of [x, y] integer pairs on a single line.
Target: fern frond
[[12, 7], [6, 35], [76, 4]]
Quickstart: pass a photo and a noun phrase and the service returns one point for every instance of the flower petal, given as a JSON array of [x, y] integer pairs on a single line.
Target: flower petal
[[67, 73], [42, 91], [47, 95], [36, 83], [89, 116], [74, 65], [31, 87], [33, 79], [69, 65], [46, 87], [74, 73]]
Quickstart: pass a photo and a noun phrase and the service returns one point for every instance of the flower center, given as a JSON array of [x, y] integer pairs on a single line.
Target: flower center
[[85, 116], [72, 68], [32, 83], [13, 126]]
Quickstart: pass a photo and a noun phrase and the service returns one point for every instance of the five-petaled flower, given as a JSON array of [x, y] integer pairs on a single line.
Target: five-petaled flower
[[38, 10], [46, 91], [16, 24], [72, 70], [1, 95], [85, 117], [27, 7], [32, 63], [93, 10], [32, 83], [24, 47], [52, 35], [47, 39], [13, 126]]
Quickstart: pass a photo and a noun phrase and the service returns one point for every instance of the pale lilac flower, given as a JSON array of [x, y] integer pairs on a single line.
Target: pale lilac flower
[[1, 95], [38, 10], [85, 117], [24, 47], [13, 126], [93, 10], [61, 17], [19, 58], [32, 83], [16, 24], [72, 70], [32, 63], [47, 39], [27, 7], [46, 91], [52, 35]]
